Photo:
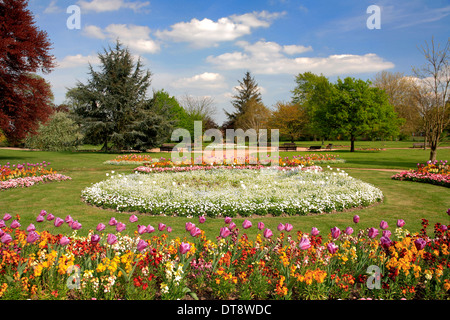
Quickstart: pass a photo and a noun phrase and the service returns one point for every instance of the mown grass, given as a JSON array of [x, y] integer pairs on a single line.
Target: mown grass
[[407, 200]]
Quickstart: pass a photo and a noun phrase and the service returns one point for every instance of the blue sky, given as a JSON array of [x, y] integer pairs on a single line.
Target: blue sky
[[202, 48]]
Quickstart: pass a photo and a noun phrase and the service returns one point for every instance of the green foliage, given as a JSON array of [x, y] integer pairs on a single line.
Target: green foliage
[[60, 133]]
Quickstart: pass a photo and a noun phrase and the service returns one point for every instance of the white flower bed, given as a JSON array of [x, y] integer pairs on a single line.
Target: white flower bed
[[231, 192]]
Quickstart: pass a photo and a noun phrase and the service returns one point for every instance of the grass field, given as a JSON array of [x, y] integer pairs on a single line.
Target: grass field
[[407, 200]]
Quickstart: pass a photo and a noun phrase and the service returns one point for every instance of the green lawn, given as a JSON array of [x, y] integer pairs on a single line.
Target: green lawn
[[407, 200]]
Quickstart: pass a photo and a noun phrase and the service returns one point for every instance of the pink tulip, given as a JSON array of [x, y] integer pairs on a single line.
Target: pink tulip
[[246, 224], [111, 239], [373, 233], [227, 220], [64, 241], [141, 229], [120, 227], [314, 231], [384, 225], [112, 221], [260, 225], [43, 213], [288, 227], [267, 233], [349, 230], [232, 225], [40, 218], [161, 226], [280, 227], [356, 219], [150, 229], [444, 227], [76, 225], [2, 224], [189, 226], [58, 222], [100, 227], [202, 219], [386, 233], [31, 227], [184, 247], [169, 229], [50, 217], [195, 232], [332, 248], [335, 232], [15, 224], [95, 238], [133, 218], [224, 232], [420, 243], [304, 244], [6, 238], [400, 223], [7, 216], [68, 219], [32, 237], [142, 244]]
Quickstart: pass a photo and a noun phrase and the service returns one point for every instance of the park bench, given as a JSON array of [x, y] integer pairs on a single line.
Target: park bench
[[315, 147], [167, 147], [288, 147], [329, 146], [419, 145]]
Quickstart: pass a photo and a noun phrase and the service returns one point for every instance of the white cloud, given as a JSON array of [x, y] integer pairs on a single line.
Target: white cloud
[[111, 5], [294, 49], [77, 61], [269, 58], [207, 33], [137, 38], [206, 80], [53, 8]]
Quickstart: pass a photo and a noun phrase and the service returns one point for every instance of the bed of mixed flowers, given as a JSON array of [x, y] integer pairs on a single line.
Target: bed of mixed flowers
[[133, 158], [232, 191], [434, 172], [381, 262], [27, 175]]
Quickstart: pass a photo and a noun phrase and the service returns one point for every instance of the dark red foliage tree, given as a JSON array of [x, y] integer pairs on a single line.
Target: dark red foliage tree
[[25, 98]]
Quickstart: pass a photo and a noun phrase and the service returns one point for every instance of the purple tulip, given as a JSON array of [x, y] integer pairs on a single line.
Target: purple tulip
[[184, 247], [100, 227], [95, 238], [68, 219], [112, 221], [111, 239], [232, 225], [384, 225], [43, 213], [349, 230], [40, 218], [50, 217], [2, 224], [385, 242], [76, 225], [161, 226], [64, 241], [189, 226], [386, 233], [227, 220], [356, 219], [246, 224], [288, 227], [400, 223], [15, 224], [261, 225], [31, 227], [195, 232], [448, 211], [150, 229], [7, 216], [32, 237], [142, 244], [373, 233], [267, 233], [120, 227], [133, 218], [224, 232], [304, 244], [202, 219], [58, 222], [6, 238], [141, 229], [444, 227], [335, 232], [314, 231], [280, 227], [420, 243], [332, 248]]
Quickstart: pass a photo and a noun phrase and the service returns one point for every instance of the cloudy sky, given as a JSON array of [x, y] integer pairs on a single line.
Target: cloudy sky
[[202, 48]]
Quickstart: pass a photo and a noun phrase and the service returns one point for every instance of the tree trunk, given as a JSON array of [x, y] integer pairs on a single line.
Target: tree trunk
[[352, 147], [433, 154]]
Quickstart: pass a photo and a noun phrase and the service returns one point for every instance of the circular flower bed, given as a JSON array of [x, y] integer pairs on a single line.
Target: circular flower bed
[[233, 192]]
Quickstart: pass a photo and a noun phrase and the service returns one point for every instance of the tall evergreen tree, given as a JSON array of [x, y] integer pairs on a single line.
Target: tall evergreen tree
[[248, 91]]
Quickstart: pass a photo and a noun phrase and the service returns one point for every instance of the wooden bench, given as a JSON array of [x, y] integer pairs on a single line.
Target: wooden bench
[[329, 147], [168, 147], [315, 147], [419, 145], [288, 147]]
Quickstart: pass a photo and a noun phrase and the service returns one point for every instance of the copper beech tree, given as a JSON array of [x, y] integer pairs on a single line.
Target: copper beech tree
[[25, 98]]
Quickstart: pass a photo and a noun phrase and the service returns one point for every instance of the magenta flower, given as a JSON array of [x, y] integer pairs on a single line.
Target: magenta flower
[[384, 225], [169, 229], [373, 233], [189, 226], [202, 219], [260, 225], [64, 241], [195, 232], [335, 232], [7, 216], [184, 247], [314, 231], [31, 227], [112, 221], [267, 233], [100, 227], [111, 239], [6, 238], [280, 227], [2, 224], [420, 243], [227, 220], [356, 219], [386, 233], [142, 244], [224, 232], [95, 238], [68, 219], [448, 211], [150, 229], [15, 224], [332, 248], [246, 224], [400, 223], [76, 225], [133, 218], [385, 242], [161, 226], [141, 229], [288, 227], [58, 222], [40, 218], [43, 213], [304, 244], [32, 237], [50, 217], [120, 227], [349, 230], [232, 225]]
